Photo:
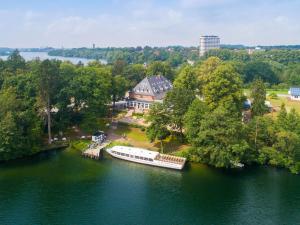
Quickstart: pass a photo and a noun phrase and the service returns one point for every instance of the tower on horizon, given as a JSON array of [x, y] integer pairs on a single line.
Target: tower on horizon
[[208, 42]]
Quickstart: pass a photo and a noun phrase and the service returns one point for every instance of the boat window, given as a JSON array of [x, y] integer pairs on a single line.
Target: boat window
[[137, 157], [131, 156], [127, 155], [151, 160], [122, 154]]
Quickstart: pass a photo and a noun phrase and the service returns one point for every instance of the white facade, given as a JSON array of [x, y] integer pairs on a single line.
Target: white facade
[[208, 42], [296, 98]]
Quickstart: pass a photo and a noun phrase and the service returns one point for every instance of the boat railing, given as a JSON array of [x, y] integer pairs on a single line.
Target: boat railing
[[170, 158]]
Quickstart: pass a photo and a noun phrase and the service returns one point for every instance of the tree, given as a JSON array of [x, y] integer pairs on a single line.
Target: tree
[[193, 119], [205, 69], [187, 79], [258, 94], [158, 119], [15, 62], [119, 87], [177, 102], [220, 141], [118, 67], [260, 70], [92, 89], [134, 73], [20, 129], [223, 87], [291, 74], [48, 74], [160, 68]]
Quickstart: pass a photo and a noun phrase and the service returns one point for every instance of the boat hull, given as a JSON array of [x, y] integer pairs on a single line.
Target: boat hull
[[156, 163]]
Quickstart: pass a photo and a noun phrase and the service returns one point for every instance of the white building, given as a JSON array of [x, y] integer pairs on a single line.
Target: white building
[[294, 93], [208, 42]]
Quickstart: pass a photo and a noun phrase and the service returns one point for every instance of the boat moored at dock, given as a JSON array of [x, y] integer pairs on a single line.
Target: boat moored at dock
[[147, 157]]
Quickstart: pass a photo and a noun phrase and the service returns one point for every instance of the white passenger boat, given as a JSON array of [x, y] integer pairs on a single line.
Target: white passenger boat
[[144, 156]]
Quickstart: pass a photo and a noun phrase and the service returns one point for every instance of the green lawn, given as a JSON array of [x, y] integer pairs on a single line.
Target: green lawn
[[131, 132], [137, 137], [269, 91], [80, 145], [277, 91], [289, 104]]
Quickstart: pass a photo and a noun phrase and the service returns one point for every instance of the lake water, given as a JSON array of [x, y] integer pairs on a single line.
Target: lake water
[[63, 188], [44, 55]]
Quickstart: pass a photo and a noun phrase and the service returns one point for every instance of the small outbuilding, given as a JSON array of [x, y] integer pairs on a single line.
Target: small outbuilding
[[294, 93], [98, 137]]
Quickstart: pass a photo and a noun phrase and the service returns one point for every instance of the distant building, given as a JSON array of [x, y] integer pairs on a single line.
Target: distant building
[[294, 93], [151, 89], [208, 42], [253, 50], [94, 46]]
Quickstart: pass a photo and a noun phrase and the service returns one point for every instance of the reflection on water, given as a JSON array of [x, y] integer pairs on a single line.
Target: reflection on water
[[64, 188]]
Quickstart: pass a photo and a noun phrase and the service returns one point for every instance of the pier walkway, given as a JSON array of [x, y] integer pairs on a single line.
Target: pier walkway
[[94, 151]]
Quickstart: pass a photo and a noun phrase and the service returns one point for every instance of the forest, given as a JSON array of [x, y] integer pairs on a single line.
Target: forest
[[204, 109]]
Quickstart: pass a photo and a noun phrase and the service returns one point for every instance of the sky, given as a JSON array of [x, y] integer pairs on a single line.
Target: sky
[[125, 23]]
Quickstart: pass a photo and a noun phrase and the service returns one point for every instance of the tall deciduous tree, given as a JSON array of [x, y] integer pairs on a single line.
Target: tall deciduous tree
[[187, 79], [223, 87], [158, 119], [193, 119], [48, 76], [119, 87], [258, 94], [177, 103], [15, 62], [220, 140], [160, 68]]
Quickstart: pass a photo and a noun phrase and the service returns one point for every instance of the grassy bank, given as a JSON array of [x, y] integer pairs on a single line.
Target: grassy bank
[[80, 145], [136, 136], [288, 103], [269, 91]]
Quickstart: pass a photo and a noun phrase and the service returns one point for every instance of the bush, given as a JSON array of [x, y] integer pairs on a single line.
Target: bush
[[273, 95]]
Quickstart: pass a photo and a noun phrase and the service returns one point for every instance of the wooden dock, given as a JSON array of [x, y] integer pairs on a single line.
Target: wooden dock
[[95, 151]]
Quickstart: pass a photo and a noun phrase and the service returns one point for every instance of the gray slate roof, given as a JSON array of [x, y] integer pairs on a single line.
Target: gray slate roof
[[156, 86]]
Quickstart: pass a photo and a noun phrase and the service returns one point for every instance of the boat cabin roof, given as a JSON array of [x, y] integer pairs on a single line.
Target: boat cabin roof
[[135, 151]]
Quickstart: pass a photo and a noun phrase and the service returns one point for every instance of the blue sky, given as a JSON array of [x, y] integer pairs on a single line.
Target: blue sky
[[78, 23]]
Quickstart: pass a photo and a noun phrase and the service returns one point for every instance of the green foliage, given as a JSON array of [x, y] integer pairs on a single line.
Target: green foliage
[[174, 55], [273, 95], [134, 73], [161, 68], [220, 141], [20, 128], [223, 86], [177, 103], [187, 79], [158, 119], [275, 142], [258, 94], [193, 118]]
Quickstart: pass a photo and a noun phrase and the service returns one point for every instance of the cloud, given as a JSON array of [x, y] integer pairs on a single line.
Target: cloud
[[152, 22], [202, 3]]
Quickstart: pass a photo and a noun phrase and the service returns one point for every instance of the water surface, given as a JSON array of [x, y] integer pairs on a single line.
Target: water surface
[[44, 55], [63, 188]]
